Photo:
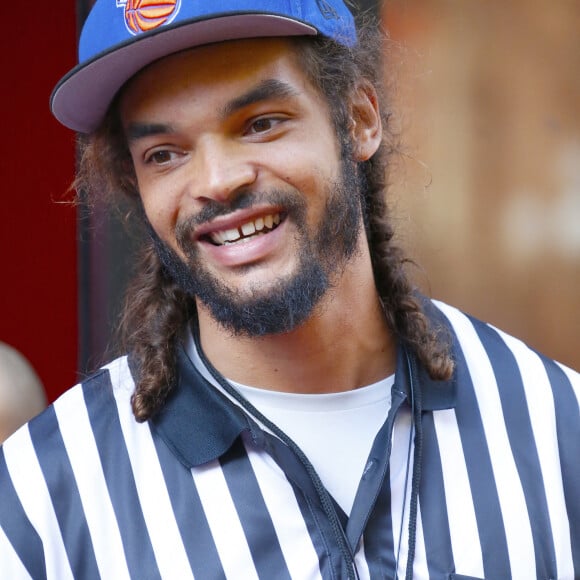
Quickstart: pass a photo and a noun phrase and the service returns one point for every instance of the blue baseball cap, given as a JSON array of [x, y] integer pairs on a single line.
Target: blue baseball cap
[[121, 37]]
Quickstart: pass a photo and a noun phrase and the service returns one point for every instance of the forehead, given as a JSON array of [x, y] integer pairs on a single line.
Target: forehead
[[212, 72]]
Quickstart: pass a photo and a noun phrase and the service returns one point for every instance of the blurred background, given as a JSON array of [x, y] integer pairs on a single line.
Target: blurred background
[[486, 198], [488, 195]]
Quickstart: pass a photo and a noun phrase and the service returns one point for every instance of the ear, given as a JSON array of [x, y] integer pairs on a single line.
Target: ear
[[365, 122]]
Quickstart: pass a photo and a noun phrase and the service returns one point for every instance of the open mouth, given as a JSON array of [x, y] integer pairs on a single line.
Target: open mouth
[[258, 227]]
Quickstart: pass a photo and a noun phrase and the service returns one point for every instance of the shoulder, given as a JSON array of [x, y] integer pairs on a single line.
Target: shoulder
[[107, 390], [57, 468], [488, 351], [509, 447], [72, 423]]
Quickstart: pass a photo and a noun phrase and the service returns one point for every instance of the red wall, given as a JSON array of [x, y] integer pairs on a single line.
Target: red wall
[[38, 296]]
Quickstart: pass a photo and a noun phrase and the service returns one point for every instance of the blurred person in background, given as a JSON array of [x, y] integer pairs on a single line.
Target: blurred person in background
[[21, 393]]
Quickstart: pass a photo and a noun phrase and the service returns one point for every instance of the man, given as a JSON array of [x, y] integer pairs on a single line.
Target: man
[[289, 407]]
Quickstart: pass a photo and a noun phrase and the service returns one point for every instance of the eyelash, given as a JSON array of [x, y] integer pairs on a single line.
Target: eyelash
[[272, 123], [150, 158], [170, 155]]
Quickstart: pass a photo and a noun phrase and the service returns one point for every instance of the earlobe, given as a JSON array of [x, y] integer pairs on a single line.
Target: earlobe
[[366, 126]]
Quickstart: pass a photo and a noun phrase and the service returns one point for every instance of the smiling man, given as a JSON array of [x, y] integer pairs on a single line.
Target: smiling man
[[289, 406], [262, 223]]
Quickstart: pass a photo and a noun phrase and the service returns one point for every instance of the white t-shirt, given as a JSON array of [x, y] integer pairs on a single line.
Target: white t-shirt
[[335, 431]]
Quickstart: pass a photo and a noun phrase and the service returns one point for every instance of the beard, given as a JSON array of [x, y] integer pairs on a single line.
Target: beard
[[290, 300]]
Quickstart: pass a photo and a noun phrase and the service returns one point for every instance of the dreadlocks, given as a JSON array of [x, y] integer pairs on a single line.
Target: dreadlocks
[[157, 309]]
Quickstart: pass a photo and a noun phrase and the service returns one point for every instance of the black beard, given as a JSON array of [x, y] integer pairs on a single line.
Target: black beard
[[290, 301]]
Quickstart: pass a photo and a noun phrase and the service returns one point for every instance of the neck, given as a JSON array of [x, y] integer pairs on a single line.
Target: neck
[[345, 344]]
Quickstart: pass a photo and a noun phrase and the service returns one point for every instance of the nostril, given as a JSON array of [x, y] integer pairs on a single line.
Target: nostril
[[222, 171]]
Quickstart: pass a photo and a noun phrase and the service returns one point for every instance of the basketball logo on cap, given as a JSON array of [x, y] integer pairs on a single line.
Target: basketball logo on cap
[[146, 15]]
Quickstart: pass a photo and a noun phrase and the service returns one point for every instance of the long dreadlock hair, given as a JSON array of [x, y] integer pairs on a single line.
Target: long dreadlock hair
[[156, 308]]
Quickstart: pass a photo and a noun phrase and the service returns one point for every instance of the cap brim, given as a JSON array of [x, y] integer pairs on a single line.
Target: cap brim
[[82, 98]]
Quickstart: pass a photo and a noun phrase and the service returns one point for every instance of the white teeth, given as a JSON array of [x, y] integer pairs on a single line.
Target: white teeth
[[246, 231], [231, 235]]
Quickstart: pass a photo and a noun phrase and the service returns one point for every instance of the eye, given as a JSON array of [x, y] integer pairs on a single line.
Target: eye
[[160, 157], [263, 125]]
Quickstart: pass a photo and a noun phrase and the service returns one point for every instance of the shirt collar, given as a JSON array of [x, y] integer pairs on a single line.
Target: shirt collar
[[410, 374], [199, 423], [437, 395]]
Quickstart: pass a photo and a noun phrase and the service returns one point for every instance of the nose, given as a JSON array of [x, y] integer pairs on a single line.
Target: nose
[[221, 168]]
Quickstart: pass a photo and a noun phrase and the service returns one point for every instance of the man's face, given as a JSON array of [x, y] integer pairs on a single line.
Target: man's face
[[240, 175]]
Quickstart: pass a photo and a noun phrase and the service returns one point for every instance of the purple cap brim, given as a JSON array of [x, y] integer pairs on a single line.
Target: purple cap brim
[[81, 99]]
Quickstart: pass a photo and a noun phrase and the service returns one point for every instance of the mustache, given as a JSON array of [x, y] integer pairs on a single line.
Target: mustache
[[292, 202], [213, 209]]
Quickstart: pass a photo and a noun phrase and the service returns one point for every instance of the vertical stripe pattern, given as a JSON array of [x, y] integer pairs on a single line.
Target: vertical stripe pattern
[[87, 492]]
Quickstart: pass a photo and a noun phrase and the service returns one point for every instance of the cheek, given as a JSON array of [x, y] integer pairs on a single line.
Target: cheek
[[161, 211], [314, 179], [308, 156], [309, 168]]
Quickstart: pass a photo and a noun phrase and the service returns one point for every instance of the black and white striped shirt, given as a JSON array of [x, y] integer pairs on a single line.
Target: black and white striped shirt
[[203, 491]]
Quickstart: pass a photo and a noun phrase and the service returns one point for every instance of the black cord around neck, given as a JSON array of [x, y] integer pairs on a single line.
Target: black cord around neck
[[405, 486], [321, 491], [416, 412]]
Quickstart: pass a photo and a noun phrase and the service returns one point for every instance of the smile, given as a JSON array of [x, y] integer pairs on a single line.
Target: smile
[[246, 232]]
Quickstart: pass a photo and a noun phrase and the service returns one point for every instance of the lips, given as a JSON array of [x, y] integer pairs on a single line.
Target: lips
[[247, 231]]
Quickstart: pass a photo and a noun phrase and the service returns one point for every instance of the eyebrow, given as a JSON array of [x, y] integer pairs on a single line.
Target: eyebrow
[[267, 89], [136, 131]]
